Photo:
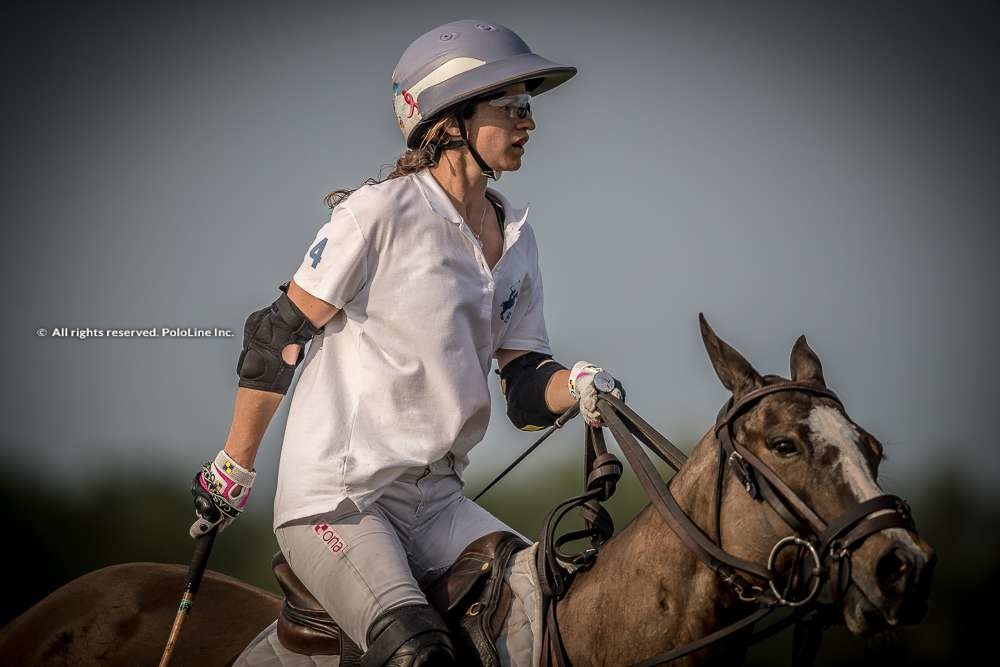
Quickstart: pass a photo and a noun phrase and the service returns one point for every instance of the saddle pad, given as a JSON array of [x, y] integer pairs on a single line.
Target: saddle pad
[[520, 640]]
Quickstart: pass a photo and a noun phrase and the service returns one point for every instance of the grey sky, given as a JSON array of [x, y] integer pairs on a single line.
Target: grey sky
[[785, 170]]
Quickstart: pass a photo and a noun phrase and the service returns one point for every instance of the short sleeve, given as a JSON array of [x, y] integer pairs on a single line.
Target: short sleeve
[[335, 266], [527, 327]]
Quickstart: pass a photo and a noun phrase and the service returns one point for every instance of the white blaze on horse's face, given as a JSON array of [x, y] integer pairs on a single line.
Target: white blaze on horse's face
[[829, 427], [874, 601]]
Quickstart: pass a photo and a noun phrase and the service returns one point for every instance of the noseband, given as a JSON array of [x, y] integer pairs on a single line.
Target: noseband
[[821, 551]]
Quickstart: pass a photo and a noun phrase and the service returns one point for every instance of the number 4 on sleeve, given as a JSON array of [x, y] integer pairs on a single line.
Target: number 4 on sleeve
[[317, 252]]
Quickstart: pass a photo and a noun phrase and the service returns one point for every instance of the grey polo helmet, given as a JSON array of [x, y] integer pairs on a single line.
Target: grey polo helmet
[[457, 62]]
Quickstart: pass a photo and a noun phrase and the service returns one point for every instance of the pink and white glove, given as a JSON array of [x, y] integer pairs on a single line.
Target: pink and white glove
[[221, 490], [585, 380]]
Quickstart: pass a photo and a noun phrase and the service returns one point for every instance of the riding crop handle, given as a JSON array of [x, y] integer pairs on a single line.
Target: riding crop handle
[[202, 550], [573, 411], [559, 423]]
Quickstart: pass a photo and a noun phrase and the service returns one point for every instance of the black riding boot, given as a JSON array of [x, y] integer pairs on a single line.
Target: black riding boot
[[410, 636]]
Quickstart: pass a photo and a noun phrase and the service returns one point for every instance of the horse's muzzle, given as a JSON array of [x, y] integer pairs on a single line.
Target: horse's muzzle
[[904, 573]]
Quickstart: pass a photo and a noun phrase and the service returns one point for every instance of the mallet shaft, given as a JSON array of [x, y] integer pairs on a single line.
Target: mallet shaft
[[202, 549]]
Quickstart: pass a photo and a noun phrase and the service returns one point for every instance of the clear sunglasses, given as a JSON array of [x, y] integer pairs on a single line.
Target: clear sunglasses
[[519, 106]]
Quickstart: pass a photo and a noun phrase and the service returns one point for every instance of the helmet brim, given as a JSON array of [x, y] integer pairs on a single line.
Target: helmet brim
[[543, 73]]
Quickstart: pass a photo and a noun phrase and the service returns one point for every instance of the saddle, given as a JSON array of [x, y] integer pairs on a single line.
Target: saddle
[[472, 596]]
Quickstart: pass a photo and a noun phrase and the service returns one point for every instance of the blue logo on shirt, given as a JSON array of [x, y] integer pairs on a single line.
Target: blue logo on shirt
[[507, 307]]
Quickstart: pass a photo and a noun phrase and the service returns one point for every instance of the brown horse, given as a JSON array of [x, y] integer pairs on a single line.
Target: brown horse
[[121, 615], [648, 580], [658, 593]]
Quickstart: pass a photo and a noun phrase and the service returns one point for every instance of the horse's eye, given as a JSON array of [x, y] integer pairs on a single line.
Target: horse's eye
[[785, 448]]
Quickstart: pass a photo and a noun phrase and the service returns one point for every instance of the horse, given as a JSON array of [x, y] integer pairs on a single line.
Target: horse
[[659, 592]]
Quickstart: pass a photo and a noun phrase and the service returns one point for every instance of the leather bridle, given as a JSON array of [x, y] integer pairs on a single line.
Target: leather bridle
[[822, 550]]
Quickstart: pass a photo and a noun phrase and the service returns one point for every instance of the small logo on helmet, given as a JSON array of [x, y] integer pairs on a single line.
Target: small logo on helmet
[[412, 103]]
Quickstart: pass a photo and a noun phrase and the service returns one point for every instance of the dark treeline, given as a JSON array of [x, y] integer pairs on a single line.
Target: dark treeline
[[55, 535]]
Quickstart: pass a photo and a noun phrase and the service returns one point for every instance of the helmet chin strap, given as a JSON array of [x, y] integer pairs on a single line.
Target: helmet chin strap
[[488, 172]]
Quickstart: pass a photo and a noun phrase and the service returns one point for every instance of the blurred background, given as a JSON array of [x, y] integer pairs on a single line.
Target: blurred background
[[828, 171]]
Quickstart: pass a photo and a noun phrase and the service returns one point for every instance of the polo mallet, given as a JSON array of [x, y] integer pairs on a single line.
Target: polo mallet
[[202, 550]]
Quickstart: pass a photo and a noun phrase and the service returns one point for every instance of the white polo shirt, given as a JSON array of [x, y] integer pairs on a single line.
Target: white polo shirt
[[399, 378]]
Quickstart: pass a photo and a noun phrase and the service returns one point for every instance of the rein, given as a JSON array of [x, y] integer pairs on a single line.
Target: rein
[[821, 550]]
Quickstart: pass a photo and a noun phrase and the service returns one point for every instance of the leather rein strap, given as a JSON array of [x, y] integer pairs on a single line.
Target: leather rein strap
[[752, 582]]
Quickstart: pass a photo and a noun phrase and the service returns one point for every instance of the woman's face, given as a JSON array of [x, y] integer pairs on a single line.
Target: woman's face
[[499, 133]]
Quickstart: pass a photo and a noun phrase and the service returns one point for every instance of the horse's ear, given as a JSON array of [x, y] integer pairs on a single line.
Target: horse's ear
[[805, 364], [735, 372]]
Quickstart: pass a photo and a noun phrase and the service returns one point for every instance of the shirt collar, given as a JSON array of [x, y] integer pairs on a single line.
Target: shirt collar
[[436, 197], [514, 216], [440, 202]]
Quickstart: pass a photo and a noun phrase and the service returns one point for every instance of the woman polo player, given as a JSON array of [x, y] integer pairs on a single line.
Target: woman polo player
[[408, 293]]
